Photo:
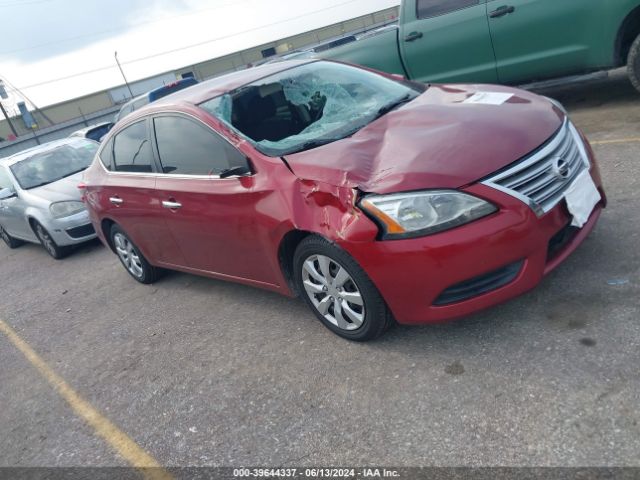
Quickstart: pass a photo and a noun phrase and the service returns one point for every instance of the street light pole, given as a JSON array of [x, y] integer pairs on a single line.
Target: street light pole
[[122, 72]]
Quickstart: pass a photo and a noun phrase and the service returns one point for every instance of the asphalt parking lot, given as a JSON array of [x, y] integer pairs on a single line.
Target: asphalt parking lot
[[200, 372]]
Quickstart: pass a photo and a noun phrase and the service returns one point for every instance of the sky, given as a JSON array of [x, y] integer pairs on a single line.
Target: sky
[[46, 44]]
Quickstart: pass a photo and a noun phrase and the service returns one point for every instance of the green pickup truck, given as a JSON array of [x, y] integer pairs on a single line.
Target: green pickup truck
[[503, 41]]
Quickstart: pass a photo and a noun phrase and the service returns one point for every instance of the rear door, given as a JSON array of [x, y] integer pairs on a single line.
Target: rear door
[[216, 222], [537, 39], [129, 193], [447, 40]]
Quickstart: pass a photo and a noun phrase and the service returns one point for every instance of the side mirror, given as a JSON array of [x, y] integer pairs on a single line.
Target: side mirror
[[7, 193], [239, 171]]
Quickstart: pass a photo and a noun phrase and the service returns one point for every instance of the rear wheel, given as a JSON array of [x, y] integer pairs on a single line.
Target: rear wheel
[[48, 242], [633, 63], [338, 291], [9, 240], [131, 258]]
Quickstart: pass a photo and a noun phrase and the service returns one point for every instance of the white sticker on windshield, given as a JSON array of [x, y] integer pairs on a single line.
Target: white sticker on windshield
[[489, 98]]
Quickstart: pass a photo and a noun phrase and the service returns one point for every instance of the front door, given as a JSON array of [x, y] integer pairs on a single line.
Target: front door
[[447, 41], [213, 220]]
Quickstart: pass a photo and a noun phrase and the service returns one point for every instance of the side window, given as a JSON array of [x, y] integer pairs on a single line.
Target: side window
[[433, 8], [187, 148], [124, 111], [106, 155], [5, 181], [132, 150]]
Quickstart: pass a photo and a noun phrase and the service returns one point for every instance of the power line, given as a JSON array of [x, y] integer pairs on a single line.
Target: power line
[[186, 47]]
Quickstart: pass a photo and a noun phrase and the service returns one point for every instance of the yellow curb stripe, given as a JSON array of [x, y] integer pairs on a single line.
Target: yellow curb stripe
[[116, 438], [611, 142]]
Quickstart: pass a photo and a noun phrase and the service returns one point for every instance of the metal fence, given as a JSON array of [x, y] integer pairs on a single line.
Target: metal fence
[[55, 132]]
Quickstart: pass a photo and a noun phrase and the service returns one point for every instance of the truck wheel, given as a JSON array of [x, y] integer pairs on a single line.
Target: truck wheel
[[633, 63]]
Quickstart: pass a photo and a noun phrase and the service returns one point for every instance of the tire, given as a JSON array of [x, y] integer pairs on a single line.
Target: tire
[[48, 242], [131, 258], [365, 317], [633, 63], [9, 240]]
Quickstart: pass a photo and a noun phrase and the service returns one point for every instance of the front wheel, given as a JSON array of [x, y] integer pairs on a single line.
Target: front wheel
[[339, 291], [49, 243], [633, 63], [9, 240], [131, 258]]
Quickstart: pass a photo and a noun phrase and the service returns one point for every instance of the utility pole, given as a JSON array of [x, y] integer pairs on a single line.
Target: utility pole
[[122, 72], [4, 112]]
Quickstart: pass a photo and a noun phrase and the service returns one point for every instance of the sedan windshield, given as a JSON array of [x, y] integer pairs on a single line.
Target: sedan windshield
[[308, 106], [55, 164]]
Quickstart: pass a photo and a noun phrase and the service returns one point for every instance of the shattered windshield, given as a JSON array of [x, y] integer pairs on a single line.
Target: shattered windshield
[[308, 106]]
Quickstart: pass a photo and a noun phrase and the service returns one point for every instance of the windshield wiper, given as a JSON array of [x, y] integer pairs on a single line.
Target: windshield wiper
[[312, 144], [393, 105], [48, 182], [40, 184]]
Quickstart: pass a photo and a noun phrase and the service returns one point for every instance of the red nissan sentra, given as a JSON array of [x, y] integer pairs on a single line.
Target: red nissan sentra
[[376, 199]]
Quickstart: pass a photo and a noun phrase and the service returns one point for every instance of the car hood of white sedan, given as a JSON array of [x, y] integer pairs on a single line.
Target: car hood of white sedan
[[63, 190]]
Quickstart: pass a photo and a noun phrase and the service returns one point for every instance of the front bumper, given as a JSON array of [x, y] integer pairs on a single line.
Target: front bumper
[[71, 230], [415, 275]]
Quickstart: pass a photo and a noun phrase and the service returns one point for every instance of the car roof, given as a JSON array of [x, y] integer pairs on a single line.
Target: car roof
[[45, 147], [209, 89], [83, 131], [187, 99]]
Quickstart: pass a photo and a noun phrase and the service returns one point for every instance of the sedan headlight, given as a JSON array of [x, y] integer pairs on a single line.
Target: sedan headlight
[[417, 214], [66, 209]]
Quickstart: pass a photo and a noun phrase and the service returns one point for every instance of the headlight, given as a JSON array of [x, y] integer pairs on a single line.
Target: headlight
[[417, 214], [66, 209]]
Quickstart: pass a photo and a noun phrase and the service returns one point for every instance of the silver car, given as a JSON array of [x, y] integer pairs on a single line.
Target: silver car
[[39, 197]]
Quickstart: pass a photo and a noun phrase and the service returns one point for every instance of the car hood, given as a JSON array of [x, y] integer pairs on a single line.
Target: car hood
[[435, 141], [62, 190]]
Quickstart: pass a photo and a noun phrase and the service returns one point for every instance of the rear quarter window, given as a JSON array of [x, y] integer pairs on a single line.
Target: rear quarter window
[[132, 150], [106, 155]]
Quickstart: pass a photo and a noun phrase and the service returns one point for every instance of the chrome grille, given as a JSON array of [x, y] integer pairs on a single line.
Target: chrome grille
[[541, 179]]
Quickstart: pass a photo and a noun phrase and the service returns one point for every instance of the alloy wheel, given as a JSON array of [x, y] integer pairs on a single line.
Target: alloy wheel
[[333, 292], [46, 240], [128, 255]]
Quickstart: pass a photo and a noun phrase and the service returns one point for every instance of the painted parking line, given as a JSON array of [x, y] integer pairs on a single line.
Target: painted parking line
[[612, 142], [102, 426]]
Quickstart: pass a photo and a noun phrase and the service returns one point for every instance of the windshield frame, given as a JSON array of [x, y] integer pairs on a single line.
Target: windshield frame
[[413, 91]]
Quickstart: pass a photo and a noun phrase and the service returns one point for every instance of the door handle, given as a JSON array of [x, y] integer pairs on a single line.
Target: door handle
[[116, 200], [502, 11], [413, 36], [171, 205]]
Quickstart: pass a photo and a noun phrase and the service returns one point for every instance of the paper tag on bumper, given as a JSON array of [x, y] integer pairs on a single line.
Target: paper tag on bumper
[[582, 197]]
